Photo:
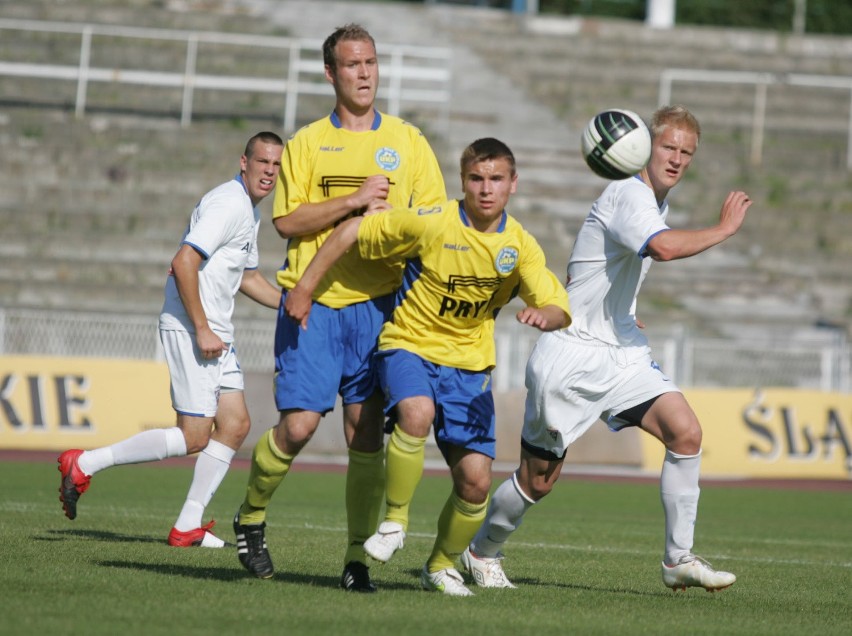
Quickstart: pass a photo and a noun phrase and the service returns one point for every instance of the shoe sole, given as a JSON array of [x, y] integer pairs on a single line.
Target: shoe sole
[[683, 588]]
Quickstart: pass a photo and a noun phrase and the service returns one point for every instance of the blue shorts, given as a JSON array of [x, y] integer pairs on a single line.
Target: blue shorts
[[464, 405], [334, 355]]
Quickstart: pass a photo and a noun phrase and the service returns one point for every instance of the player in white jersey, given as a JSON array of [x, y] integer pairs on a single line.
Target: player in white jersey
[[601, 365], [216, 259]]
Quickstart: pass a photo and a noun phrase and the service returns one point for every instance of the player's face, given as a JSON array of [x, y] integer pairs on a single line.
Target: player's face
[[260, 171], [487, 187], [671, 154], [356, 75]]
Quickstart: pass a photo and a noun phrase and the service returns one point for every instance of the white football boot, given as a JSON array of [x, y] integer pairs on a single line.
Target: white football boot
[[693, 571], [486, 572], [389, 538], [447, 581]]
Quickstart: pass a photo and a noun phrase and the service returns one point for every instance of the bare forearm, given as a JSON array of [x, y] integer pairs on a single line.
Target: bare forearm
[[309, 218], [186, 280], [547, 318], [260, 290], [675, 244], [313, 217]]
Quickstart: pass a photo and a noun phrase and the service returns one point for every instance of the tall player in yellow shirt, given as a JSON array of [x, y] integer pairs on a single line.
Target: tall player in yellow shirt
[[464, 261], [355, 160]]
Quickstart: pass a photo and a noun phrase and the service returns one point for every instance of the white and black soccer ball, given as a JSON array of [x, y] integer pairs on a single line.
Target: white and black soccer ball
[[616, 144]]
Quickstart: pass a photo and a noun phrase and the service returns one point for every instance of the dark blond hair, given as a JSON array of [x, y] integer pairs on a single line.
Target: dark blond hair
[[350, 32]]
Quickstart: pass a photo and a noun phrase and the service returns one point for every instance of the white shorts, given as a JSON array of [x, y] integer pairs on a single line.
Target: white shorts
[[195, 382], [571, 383]]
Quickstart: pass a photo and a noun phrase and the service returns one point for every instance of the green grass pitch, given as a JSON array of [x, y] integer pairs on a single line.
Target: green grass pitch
[[586, 561]]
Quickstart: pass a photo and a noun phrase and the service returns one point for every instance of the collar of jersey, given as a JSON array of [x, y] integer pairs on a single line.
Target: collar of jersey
[[239, 179], [377, 120], [464, 219]]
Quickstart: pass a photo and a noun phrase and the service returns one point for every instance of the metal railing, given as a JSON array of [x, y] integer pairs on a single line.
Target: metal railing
[[409, 74], [761, 82], [820, 361]]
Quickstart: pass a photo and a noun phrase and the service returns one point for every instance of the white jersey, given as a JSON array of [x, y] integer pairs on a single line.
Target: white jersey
[[223, 229], [608, 263]]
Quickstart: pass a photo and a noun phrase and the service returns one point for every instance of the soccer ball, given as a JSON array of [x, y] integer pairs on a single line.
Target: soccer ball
[[616, 144]]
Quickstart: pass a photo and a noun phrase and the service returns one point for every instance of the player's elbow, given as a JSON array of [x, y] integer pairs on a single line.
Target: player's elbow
[[284, 227], [661, 251]]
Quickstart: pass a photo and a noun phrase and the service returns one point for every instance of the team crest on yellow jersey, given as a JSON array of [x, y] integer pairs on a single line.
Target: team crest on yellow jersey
[[506, 260], [387, 158]]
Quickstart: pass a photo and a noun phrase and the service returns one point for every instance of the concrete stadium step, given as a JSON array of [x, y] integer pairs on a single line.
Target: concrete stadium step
[[131, 177]]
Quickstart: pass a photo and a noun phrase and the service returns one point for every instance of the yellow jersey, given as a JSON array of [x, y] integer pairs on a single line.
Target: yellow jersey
[[324, 161], [456, 281]]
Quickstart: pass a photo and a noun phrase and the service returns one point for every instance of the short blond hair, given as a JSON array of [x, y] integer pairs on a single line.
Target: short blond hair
[[677, 116]]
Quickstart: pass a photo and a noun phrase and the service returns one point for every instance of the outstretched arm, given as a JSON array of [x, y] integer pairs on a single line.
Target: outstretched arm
[[674, 244], [260, 290], [298, 302], [547, 318]]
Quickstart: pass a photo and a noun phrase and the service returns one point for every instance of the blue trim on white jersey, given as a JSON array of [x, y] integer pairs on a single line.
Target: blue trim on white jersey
[[204, 254], [643, 251]]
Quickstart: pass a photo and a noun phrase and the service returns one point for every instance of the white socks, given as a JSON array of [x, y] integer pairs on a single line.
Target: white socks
[[505, 514], [679, 493], [210, 469], [147, 446]]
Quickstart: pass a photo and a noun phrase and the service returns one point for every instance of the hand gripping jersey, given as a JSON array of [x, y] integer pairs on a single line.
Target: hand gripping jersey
[[223, 229], [456, 281], [608, 264], [323, 161]]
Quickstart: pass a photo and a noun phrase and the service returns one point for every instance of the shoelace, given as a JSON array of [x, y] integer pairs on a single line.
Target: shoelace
[[694, 557], [495, 569]]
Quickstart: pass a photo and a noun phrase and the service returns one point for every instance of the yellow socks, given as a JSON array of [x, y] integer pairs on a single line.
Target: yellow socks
[[457, 525], [365, 487], [268, 467], [406, 454]]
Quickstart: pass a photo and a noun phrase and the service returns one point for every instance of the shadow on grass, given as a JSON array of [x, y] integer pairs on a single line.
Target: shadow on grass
[[227, 574], [96, 535], [530, 583]]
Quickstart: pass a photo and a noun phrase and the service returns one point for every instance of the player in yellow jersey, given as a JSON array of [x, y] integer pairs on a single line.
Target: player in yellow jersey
[[464, 261], [354, 160]]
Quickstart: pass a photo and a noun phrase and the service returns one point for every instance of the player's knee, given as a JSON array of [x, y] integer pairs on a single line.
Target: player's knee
[[196, 440], [538, 487], [474, 491], [687, 440], [292, 435]]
